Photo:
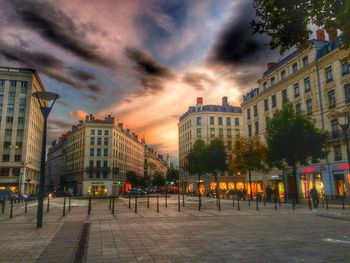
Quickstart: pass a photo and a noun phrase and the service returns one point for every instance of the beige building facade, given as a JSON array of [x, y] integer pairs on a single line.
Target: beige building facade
[[98, 154], [154, 163], [316, 81], [208, 122], [21, 130]]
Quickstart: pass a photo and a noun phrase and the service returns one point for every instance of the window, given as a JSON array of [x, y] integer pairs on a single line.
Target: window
[[229, 133], [105, 141], [12, 95], [255, 110], [256, 127], [106, 132], [20, 132], [298, 108], [228, 121], [307, 85], [11, 108], [5, 171], [199, 133], [229, 145], [273, 81], [98, 163], [331, 99], [5, 157], [24, 84], [284, 96], [273, 99], [91, 164], [345, 68], [92, 132], [98, 175], [92, 151], [105, 163], [91, 175], [305, 61], [99, 141], [266, 104], [294, 67], [13, 83], [2, 82], [199, 120], [308, 106], [8, 132], [337, 152], [92, 141], [98, 152], [221, 132], [104, 175], [105, 152], [283, 74], [296, 90], [236, 121], [16, 171], [9, 119], [249, 130], [267, 121], [219, 120], [265, 86], [212, 132], [21, 120], [347, 93], [329, 74], [99, 132], [19, 145], [211, 120], [7, 144], [248, 114], [238, 132], [18, 158]]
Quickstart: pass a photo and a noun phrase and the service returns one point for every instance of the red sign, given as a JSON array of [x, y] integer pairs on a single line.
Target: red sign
[[308, 170], [343, 167]]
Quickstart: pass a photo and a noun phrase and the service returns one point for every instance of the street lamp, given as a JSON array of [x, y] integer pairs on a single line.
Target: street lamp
[[22, 177], [342, 119], [43, 99]]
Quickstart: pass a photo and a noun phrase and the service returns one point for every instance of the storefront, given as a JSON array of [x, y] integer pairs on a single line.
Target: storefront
[[341, 179], [310, 177], [257, 187], [277, 182], [98, 188]]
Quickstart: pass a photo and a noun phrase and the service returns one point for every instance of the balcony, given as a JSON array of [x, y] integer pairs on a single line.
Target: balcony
[[98, 169], [334, 136]]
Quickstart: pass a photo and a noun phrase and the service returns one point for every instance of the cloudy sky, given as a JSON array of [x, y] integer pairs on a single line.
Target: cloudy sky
[[143, 61]]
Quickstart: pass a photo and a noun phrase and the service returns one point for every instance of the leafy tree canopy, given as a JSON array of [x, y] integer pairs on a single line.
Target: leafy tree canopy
[[172, 174], [292, 138], [158, 180], [132, 178], [249, 154], [216, 157], [196, 158], [287, 21]]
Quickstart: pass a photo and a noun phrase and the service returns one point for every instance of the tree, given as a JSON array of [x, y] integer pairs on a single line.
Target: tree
[[287, 21], [249, 154], [293, 139], [172, 174], [132, 178], [158, 180], [196, 163]]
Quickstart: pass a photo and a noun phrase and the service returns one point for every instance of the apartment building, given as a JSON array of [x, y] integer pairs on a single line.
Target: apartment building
[[21, 129], [207, 122], [316, 80], [154, 163], [98, 154]]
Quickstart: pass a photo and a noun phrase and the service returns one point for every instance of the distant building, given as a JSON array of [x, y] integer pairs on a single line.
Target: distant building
[[21, 129], [316, 80], [98, 154], [208, 122], [154, 163], [54, 164]]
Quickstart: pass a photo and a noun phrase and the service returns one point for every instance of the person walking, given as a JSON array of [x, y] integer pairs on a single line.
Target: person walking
[[268, 194], [314, 196]]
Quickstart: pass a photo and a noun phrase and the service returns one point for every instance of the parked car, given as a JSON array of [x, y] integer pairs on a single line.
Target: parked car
[[29, 198], [133, 191]]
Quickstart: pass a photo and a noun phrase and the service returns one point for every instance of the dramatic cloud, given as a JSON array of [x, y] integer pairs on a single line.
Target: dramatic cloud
[[94, 87], [197, 80], [58, 28], [78, 114], [81, 74]]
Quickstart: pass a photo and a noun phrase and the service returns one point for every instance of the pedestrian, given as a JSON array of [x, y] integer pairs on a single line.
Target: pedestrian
[[275, 194], [314, 196], [268, 194]]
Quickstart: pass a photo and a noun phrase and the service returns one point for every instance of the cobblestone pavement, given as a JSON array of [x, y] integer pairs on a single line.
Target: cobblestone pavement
[[209, 235]]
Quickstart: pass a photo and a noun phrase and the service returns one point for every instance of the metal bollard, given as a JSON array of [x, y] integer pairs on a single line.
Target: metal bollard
[[309, 203], [233, 200], [147, 200], [323, 201], [166, 198], [249, 201], [26, 207], [342, 201], [135, 203], [257, 204], [129, 200], [183, 199], [238, 207], [275, 201], [11, 208], [64, 206], [178, 200], [113, 205], [69, 198], [293, 204], [110, 202], [3, 207], [157, 202], [219, 204], [89, 207], [264, 201], [327, 202], [48, 204], [279, 201]]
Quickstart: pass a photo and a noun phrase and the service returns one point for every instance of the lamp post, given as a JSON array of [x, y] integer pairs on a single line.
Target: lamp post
[[43, 99], [342, 119], [23, 176]]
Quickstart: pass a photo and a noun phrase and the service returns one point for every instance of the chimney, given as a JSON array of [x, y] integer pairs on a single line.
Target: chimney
[[128, 131], [120, 125], [224, 101], [136, 137], [332, 34], [270, 65], [199, 102], [320, 35]]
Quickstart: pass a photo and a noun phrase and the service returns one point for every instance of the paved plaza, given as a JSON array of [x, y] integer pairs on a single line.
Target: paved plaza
[[209, 235]]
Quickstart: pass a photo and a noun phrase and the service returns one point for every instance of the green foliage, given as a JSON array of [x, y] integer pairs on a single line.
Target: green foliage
[[292, 138], [216, 156], [287, 21], [196, 159], [172, 174], [158, 180], [249, 154], [132, 178]]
